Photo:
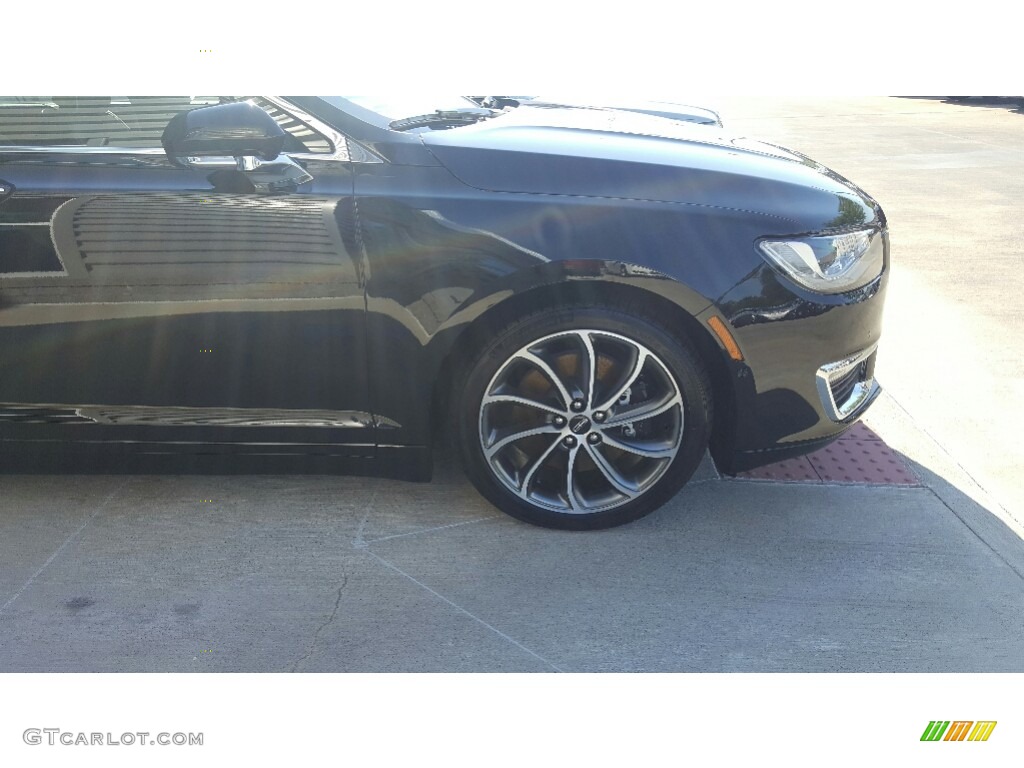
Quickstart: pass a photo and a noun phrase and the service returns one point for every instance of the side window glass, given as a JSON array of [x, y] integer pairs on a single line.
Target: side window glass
[[132, 122], [304, 138]]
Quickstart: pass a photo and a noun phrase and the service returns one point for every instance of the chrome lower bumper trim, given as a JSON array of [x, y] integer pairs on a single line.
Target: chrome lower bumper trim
[[862, 392]]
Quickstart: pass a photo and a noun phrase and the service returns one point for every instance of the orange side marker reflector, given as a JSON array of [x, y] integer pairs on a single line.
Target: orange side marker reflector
[[726, 338]]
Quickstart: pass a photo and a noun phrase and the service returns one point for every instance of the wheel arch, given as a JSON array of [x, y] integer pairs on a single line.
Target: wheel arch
[[678, 315]]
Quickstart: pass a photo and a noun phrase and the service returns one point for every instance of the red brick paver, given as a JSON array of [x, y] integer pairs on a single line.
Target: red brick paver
[[859, 456]]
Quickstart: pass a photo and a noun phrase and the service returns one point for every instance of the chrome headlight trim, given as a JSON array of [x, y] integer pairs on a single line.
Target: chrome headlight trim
[[832, 263]]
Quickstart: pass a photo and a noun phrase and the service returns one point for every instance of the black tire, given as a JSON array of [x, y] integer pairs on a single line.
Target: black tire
[[625, 472]]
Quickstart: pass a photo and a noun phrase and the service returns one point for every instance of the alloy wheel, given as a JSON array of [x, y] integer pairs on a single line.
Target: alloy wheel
[[581, 421]]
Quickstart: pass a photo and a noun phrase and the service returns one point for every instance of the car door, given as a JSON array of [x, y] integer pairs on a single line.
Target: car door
[[146, 303]]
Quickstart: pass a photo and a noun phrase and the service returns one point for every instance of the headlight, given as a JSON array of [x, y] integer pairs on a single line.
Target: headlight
[[831, 263]]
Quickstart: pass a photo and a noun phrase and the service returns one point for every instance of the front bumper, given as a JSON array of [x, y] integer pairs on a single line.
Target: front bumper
[[807, 372]]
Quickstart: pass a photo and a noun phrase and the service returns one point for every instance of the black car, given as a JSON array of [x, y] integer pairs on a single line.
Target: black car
[[584, 300]]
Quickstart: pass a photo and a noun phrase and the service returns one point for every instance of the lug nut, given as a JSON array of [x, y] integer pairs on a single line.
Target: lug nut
[[577, 405], [600, 416], [569, 441], [594, 438], [559, 421]]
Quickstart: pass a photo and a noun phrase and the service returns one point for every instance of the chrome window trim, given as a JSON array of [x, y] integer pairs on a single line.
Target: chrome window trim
[[345, 149]]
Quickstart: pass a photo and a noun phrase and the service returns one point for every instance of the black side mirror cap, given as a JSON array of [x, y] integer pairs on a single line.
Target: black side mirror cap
[[239, 129]]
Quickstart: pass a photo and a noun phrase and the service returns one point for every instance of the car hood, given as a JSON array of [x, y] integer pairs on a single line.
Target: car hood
[[598, 152], [671, 110]]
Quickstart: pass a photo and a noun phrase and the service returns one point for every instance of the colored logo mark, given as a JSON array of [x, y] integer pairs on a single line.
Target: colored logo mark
[[958, 730]]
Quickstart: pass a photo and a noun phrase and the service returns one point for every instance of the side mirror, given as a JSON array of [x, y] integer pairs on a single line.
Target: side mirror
[[240, 129]]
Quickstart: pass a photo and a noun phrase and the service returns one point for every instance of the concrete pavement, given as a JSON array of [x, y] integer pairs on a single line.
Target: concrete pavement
[[350, 574]]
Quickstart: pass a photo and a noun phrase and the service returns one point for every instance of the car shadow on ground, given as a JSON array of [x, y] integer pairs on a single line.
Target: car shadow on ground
[[1014, 104], [861, 457]]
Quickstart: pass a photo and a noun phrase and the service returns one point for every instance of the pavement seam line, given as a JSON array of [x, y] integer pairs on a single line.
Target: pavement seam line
[[845, 114], [358, 542], [459, 608], [361, 543], [321, 628], [991, 496], [977, 535], [59, 549], [964, 138]]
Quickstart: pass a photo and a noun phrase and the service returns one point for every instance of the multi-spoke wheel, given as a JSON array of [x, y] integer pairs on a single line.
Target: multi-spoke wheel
[[585, 422]]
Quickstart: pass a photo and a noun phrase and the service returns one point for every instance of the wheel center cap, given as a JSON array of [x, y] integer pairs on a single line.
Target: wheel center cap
[[579, 425]]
